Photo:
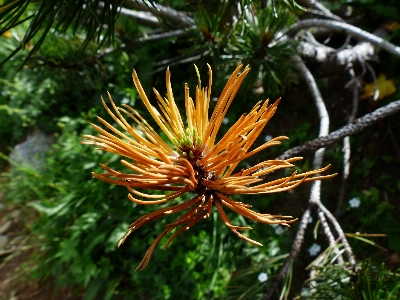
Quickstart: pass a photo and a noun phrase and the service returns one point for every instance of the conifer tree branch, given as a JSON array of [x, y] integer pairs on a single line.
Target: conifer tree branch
[[180, 19], [329, 234], [296, 246], [339, 231], [350, 29], [350, 129], [141, 16], [346, 141], [166, 35], [315, 194], [319, 7]]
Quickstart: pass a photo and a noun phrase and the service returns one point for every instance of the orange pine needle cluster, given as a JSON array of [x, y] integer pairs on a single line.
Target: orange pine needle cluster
[[193, 160]]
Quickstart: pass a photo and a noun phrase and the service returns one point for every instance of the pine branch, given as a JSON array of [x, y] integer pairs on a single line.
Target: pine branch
[[350, 29], [143, 17], [166, 35], [346, 141], [350, 129], [315, 194], [320, 8], [297, 243], [179, 19], [329, 234]]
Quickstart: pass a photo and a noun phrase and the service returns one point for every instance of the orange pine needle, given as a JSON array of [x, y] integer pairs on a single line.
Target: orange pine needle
[[195, 162]]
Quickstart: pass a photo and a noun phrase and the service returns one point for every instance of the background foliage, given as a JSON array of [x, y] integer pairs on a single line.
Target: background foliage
[[67, 60]]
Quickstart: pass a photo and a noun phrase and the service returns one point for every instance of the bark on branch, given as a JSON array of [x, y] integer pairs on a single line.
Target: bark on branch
[[297, 243], [180, 19], [350, 129], [350, 29], [313, 4]]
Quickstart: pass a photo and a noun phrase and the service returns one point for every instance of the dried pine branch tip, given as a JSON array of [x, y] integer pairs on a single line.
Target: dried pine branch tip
[[193, 160]]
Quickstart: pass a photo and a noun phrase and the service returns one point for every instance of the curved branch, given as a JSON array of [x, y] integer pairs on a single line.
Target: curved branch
[[298, 241], [319, 7], [350, 29], [180, 19], [329, 234], [165, 35], [143, 17], [346, 141], [350, 129], [339, 231], [312, 85], [315, 193]]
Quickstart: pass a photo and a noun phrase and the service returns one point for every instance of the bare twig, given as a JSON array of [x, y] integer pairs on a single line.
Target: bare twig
[[179, 19], [346, 172], [331, 238], [340, 232], [143, 17], [350, 29], [312, 85], [149, 17], [315, 194], [346, 142], [375, 80], [319, 7], [166, 35], [298, 241], [337, 57], [318, 158], [343, 56], [350, 129]]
